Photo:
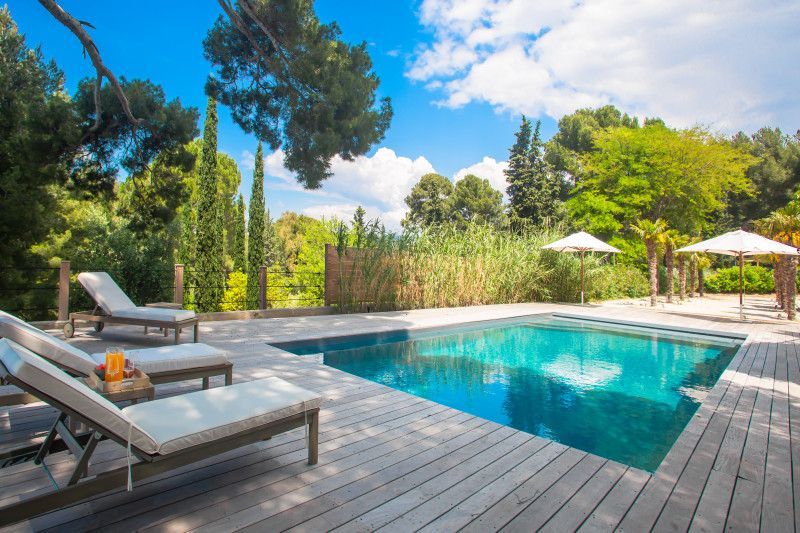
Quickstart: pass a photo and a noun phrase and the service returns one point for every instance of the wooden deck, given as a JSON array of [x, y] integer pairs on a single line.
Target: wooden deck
[[396, 462]]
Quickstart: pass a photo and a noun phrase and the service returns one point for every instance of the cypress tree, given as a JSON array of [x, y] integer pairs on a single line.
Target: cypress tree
[[210, 273], [543, 192], [256, 252], [518, 171], [238, 252], [533, 187]]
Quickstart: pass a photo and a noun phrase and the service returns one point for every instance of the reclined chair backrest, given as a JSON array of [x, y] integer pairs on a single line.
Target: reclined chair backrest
[[42, 379], [104, 290], [47, 346]]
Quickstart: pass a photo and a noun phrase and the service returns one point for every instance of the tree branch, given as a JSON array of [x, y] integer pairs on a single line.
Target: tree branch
[[76, 27], [227, 6]]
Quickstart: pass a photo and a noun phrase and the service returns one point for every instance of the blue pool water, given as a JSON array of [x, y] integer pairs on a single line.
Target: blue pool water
[[621, 392]]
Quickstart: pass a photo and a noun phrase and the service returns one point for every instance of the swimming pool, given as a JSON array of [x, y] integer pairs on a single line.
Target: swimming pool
[[624, 392]]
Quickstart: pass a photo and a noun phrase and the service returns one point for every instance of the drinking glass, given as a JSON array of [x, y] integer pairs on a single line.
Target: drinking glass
[[115, 363]]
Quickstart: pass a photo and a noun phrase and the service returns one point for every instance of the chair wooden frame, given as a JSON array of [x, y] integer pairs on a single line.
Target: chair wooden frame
[[99, 320], [81, 487]]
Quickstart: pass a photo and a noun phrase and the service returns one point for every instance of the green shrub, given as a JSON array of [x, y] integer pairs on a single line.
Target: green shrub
[[235, 292], [611, 282], [757, 280]]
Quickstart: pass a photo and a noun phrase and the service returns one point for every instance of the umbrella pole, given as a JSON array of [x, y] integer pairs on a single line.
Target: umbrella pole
[[741, 286], [582, 284]]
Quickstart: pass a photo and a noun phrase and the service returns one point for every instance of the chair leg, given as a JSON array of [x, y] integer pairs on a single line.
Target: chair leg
[[82, 467], [196, 331], [145, 330], [177, 335], [313, 439], [205, 382], [229, 376]]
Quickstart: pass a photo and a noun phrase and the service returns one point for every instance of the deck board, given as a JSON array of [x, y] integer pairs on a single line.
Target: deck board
[[394, 462]]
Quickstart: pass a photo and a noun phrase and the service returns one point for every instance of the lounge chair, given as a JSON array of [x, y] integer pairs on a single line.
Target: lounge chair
[[163, 365], [114, 307], [163, 434]]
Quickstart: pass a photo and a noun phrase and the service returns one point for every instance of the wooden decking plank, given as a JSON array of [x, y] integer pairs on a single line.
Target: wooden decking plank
[[745, 510], [250, 508], [360, 499], [523, 495], [578, 508], [778, 506], [608, 514], [406, 516], [477, 503], [794, 419], [541, 509]]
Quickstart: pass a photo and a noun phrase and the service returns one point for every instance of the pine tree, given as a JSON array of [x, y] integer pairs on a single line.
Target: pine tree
[[239, 231], [256, 255], [210, 274], [518, 171]]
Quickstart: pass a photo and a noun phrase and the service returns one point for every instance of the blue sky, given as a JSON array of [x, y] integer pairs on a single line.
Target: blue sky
[[460, 73]]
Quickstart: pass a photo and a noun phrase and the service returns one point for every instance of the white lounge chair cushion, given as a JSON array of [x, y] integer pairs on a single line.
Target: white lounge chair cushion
[[46, 345], [187, 420], [105, 292], [172, 358], [72, 392], [154, 313]]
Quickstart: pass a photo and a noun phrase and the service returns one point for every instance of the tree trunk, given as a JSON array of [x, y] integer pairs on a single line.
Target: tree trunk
[[692, 277], [682, 276], [790, 284], [701, 289], [670, 259], [652, 266], [777, 274]]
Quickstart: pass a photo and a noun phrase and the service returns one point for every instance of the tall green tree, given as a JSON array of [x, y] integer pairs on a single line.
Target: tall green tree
[[518, 171], [295, 84], [533, 188], [775, 176], [210, 274], [273, 247], [429, 203], [475, 200], [575, 137], [238, 252], [255, 231], [683, 177]]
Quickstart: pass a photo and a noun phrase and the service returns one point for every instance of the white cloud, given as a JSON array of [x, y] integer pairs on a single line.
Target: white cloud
[[490, 169], [380, 183], [728, 65]]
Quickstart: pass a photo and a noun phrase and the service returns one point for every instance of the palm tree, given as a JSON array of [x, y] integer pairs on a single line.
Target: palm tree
[[784, 225], [650, 231], [703, 262], [668, 240], [679, 241]]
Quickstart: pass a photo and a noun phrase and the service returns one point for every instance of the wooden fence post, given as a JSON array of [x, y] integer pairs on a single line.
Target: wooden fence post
[[63, 291], [178, 292], [262, 287], [325, 279]]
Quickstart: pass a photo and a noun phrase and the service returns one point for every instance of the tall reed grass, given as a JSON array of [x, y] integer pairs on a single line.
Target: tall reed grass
[[476, 265]]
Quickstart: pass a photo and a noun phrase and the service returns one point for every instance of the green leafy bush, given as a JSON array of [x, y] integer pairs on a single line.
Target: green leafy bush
[[235, 292], [757, 279]]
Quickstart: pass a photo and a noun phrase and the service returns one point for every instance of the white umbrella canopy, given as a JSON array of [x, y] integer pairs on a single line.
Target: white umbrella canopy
[[581, 242], [740, 243]]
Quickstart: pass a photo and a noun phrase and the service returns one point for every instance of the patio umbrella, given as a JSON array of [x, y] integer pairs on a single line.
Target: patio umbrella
[[581, 242], [740, 243]]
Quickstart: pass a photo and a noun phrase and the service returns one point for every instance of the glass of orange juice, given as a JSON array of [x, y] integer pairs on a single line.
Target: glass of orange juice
[[115, 363]]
